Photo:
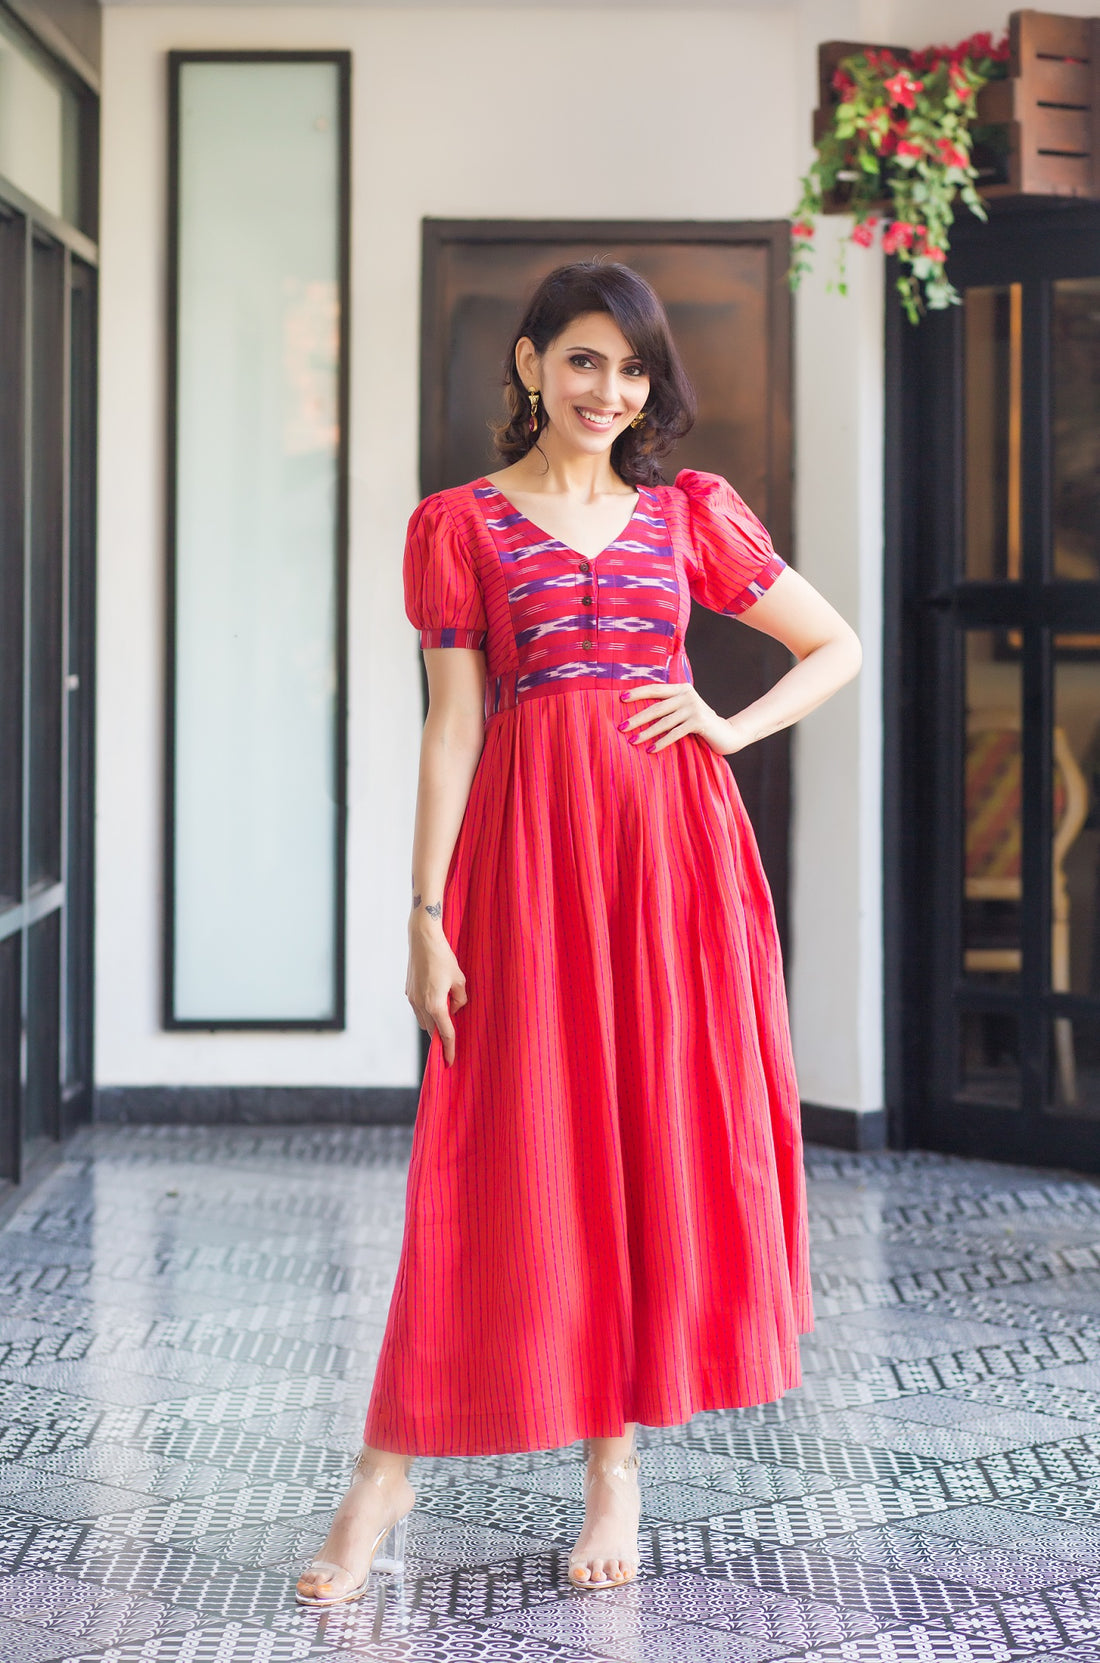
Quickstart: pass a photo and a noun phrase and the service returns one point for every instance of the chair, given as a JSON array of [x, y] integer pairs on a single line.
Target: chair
[[993, 798]]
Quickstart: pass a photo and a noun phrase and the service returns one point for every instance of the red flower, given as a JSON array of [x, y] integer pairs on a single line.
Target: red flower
[[959, 83], [843, 83], [864, 234], [929, 250], [898, 235], [903, 89], [952, 155], [910, 152], [982, 45], [802, 228], [977, 48]]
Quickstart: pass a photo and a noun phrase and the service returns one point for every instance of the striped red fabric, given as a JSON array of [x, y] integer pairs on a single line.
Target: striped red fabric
[[606, 1214]]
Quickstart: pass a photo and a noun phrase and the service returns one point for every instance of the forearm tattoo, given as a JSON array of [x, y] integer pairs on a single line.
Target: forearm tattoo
[[434, 909]]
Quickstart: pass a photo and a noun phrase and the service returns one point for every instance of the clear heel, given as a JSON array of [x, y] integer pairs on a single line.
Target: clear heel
[[390, 1558], [623, 1474]]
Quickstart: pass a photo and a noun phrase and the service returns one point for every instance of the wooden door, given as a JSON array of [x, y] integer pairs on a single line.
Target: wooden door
[[729, 307]]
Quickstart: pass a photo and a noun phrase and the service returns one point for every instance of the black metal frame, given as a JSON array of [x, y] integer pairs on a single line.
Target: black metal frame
[[927, 609], [342, 61], [33, 1052]]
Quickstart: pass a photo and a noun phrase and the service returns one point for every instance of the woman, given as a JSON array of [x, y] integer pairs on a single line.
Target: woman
[[605, 1218]]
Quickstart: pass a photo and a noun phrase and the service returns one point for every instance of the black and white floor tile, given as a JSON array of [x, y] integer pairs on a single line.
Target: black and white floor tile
[[189, 1319]]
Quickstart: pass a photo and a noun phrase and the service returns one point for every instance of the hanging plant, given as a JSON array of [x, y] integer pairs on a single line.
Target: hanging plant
[[899, 145]]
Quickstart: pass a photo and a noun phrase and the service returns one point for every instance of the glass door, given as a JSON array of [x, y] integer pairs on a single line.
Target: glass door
[[47, 380], [994, 818]]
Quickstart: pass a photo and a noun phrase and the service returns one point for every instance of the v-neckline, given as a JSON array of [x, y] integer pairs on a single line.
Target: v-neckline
[[546, 537]]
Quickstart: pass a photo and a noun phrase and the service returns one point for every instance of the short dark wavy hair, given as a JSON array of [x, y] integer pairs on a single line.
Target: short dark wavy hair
[[568, 292]]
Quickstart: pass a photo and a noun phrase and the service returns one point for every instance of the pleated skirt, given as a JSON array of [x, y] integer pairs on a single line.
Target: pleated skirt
[[605, 1213]]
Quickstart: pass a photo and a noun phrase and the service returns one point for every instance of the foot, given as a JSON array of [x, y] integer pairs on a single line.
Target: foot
[[379, 1495], [606, 1554]]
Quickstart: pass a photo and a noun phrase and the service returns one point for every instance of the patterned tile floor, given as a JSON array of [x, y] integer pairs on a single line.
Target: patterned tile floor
[[188, 1323]]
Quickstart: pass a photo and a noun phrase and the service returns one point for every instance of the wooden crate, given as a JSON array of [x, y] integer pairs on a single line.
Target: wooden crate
[[1049, 105]]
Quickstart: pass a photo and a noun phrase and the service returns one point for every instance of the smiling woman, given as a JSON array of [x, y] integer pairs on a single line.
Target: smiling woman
[[605, 1218], [617, 306]]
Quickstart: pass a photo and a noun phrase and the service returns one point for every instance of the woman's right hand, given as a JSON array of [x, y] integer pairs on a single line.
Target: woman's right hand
[[434, 977]]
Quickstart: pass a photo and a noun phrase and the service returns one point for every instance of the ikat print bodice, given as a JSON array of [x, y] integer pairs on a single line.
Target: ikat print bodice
[[478, 573]]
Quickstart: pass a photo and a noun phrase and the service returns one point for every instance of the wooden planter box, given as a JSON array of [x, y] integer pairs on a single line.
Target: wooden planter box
[[1048, 108]]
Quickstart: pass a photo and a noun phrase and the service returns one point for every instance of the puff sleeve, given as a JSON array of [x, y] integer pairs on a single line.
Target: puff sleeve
[[734, 561], [443, 596]]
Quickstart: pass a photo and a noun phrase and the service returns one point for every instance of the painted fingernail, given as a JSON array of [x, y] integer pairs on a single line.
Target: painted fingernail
[[652, 747], [624, 725]]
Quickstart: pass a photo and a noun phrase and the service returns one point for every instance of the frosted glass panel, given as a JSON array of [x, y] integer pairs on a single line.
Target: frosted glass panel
[[258, 517]]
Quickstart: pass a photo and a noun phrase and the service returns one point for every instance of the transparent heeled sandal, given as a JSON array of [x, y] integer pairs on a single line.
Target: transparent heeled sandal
[[621, 1472], [387, 1557]]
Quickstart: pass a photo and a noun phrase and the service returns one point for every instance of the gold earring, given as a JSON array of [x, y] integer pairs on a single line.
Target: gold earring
[[638, 419], [533, 395]]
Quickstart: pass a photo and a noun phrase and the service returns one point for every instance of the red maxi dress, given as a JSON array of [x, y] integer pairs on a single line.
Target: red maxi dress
[[605, 1216]]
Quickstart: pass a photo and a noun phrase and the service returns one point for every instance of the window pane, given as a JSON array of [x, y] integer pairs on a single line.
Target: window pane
[[12, 251], [10, 1026], [1076, 384], [257, 522], [1074, 1086], [989, 1058], [992, 810], [1075, 944], [992, 369], [47, 561], [43, 1030], [39, 126], [77, 1035]]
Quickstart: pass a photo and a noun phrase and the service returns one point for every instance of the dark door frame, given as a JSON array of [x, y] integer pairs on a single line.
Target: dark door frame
[[919, 444], [771, 235]]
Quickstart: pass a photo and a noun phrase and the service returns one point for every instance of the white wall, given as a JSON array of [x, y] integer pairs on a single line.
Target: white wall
[[835, 970], [712, 109]]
